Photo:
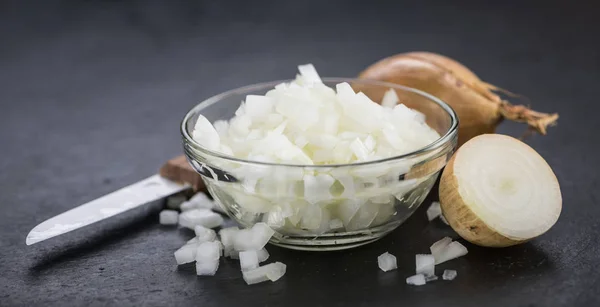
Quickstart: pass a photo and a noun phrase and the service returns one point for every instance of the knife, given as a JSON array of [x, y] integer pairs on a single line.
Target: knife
[[174, 176]]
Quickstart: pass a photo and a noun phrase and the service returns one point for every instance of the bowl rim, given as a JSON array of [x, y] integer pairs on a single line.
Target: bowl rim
[[441, 141]]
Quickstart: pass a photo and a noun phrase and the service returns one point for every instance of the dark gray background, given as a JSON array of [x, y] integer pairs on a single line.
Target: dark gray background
[[92, 93]]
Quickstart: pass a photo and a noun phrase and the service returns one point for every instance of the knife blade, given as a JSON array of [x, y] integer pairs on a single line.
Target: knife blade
[[142, 192], [175, 176]]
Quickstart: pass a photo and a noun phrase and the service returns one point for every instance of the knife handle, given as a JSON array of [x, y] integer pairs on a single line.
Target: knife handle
[[179, 169]]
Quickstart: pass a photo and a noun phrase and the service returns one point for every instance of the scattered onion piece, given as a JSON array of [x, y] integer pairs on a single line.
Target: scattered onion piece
[[425, 264], [439, 246], [272, 271], [452, 251], [416, 280], [387, 262], [248, 260], [449, 274], [168, 217], [434, 211]]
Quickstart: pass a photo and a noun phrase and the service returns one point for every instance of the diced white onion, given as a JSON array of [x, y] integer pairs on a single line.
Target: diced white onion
[[306, 122], [208, 252], [452, 251], [309, 73], [227, 236], [186, 206], [168, 217], [416, 280], [205, 134], [437, 247], [248, 260], [254, 238], [449, 274], [204, 234], [201, 201], [208, 268], [425, 264], [272, 271], [387, 262], [316, 188], [203, 217], [336, 224], [390, 99], [263, 255], [186, 254], [434, 211]]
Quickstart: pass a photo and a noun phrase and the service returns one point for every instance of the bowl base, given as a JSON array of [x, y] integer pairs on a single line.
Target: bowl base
[[333, 241]]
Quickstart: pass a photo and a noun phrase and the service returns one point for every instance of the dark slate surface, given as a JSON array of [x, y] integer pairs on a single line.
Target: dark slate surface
[[92, 93]]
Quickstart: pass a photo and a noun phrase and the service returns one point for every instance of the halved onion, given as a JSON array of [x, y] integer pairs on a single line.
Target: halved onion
[[497, 191]]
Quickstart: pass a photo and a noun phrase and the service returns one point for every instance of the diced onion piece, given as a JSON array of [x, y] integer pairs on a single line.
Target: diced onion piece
[[245, 240], [208, 252], [366, 214], [208, 268], [309, 73], [204, 234], [258, 107], [437, 247], [316, 188], [347, 209], [272, 271], [186, 205], [201, 201], [336, 224], [431, 278], [254, 238], [402, 113], [449, 274], [384, 214], [425, 264], [387, 262], [248, 260], [222, 127], [227, 236], [203, 217], [416, 280], [186, 254], [301, 141], [275, 218], [168, 217], [390, 99], [452, 251], [205, 134], [434, 211], [349, 186], [370, 143], [359, 149], [193, 240], [306, 122], [313, 217], [263, 255]]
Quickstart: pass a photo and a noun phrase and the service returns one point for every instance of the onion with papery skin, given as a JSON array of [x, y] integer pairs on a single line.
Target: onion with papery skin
[[479, 109], [497, 191]]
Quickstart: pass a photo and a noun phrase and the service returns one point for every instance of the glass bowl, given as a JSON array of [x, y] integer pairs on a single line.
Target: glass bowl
[[385, 192]]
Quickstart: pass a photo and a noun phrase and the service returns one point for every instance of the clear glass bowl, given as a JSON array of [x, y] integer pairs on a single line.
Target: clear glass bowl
[[386, 192]]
